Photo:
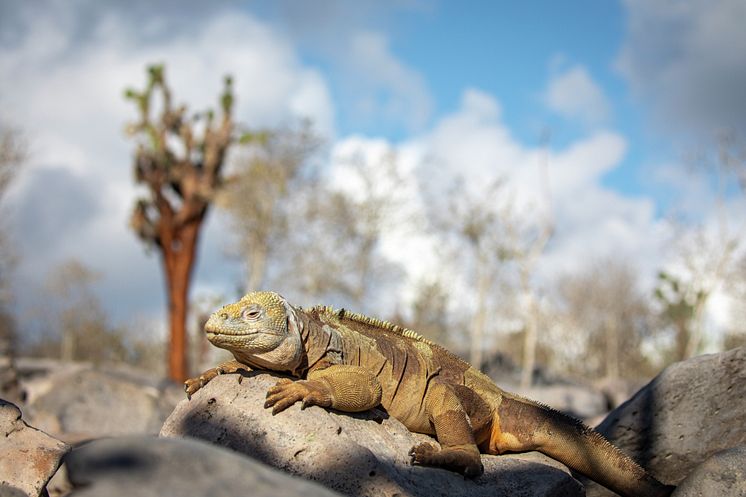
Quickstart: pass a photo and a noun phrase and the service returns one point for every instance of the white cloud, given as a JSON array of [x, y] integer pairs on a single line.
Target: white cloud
[[66, 96], [473, 142], [574, 95], [687, 60], [592, 221]]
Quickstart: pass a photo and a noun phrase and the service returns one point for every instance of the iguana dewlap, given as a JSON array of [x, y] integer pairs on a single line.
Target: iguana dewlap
[[352, 363]]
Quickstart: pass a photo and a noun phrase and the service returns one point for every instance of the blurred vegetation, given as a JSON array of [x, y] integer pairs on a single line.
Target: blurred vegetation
[[297, 233], [76, 326], [604, 305], [12, 156], [315, 232]]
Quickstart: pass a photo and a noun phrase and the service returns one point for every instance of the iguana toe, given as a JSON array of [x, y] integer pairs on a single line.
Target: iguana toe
[[192, 385], [287, 392], [422, 452]]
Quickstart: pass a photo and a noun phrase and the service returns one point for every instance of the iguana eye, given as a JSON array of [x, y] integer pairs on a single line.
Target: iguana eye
[[251, 313]]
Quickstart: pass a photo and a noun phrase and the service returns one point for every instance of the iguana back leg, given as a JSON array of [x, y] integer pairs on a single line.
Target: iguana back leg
[[458, 451]]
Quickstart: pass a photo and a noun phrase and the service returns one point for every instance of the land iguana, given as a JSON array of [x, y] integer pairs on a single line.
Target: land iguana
[[350, 362]]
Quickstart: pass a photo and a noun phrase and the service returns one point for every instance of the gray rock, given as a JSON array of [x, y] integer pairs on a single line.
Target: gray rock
[[353, 454], [618, 390], [140, 466], [87, 403], [722, 475], [38, 376], [690, 411], [28, 457]]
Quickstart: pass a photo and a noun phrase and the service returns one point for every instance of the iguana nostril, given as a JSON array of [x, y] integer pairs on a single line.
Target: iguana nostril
[[224, 315]]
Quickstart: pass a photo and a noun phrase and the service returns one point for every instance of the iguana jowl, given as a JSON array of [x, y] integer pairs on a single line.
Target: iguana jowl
[[353, 363]]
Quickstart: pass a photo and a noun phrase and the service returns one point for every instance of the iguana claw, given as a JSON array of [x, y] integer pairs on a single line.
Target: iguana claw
[[286, 392]]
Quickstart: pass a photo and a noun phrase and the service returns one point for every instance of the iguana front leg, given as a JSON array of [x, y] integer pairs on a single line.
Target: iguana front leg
[[233, 366], [341, 387]]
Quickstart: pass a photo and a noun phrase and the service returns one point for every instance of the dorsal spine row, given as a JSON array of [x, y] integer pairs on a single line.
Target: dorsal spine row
[[375, 322]]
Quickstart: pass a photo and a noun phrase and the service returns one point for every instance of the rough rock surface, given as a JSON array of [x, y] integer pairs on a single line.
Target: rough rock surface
[[353, 454], [690, 411], [722, 475], [141, 466], [83, 402], [28, 457]]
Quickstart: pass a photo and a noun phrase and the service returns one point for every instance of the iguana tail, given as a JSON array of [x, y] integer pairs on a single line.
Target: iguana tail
[[520, 425]]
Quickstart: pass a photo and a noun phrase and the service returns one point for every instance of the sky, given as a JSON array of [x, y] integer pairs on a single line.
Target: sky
[[458, 90]]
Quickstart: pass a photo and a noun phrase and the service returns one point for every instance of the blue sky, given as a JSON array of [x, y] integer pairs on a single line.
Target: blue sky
[[510, 50], [504, 48], [458, 90]]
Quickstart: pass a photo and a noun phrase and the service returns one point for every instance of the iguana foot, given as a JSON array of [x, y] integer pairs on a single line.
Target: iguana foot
[[464, 459], [287, 392], [193, 384]]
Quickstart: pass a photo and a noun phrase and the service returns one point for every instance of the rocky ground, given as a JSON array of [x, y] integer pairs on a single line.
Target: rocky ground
[[84, 431], [690, 412]]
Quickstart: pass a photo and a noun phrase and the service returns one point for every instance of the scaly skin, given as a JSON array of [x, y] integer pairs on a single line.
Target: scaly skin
[[353, 363]]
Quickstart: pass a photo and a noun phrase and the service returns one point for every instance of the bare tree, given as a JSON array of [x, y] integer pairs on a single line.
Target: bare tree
[[179, 160], [303, 234], [430, 312], [735, 336], [526, 239], [274, 178], [476, 223], [12, 155], [725, 154], [702, 266], [485, 220], [603, 304], [83, 328], [705, 261], [363, 203], [527, 242]]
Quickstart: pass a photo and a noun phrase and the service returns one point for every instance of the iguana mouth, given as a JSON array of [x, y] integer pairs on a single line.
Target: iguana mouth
[[243, 333], [228, 334]]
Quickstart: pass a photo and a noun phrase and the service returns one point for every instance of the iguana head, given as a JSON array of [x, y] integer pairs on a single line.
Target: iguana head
[[261, 329]]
